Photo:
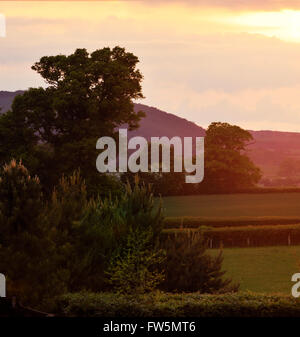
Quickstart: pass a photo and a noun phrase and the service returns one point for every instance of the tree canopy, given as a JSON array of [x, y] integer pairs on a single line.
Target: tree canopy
[[227, 166], [87, 96]]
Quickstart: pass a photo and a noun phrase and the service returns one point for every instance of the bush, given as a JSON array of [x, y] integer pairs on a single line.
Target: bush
[[111, 226], [90, 233], [189, 269], [134, 268], [25, 244], [158, 304], [20, 198], [69, 199], [66, 208]]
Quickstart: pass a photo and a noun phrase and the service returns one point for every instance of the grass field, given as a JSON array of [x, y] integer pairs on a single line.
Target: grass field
[[263, 269], [233, 205], [258, 269]]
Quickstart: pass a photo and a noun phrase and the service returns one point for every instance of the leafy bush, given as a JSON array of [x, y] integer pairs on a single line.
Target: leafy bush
[[134, 267], [189, 269], [158, 304]]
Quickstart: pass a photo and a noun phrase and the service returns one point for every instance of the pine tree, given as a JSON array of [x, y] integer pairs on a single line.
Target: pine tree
[[189, 268], [25, 243]]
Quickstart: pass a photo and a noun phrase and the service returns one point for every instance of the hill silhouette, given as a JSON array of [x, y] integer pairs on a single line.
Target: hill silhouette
[[268, 150]]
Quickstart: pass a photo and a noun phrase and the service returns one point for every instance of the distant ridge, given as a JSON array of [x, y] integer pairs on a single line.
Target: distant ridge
[[268, 150], [159, 123], [6, 98]]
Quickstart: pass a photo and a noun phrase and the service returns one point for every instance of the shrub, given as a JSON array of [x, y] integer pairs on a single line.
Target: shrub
[[245, 304], [139, 210], [66, 208], [90, 233], [25, 244], [112, 225], [20, 198], [69, 199], [134, 268], [189, 269]]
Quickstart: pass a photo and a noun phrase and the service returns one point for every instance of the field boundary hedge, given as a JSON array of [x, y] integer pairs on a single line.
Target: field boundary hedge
[[195, 222], [246, 236], [245, 304]]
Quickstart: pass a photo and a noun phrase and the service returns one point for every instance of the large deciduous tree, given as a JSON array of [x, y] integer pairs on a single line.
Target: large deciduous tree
[[227, 166], [88, 96]]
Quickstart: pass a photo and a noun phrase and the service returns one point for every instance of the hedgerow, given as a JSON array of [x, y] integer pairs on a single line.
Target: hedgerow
[[197, 221], [160, 304], [246, 236]]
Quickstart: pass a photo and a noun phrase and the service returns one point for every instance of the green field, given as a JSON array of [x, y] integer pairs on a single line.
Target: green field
[[258, 269], [233, 205], [263, 269]]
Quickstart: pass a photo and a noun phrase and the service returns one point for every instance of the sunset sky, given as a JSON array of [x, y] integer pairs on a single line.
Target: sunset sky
[[210, 60]]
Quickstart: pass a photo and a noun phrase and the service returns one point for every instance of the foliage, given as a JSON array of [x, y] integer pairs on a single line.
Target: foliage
[[189, 269], [248, 236], [20, 197], [107, 227], [139, 210], [227, 167], [69, 199], [198, 221], [162, 183], [134, 267], [67, 205], [245, 304], [90, 232], [25, 244], [55, 129]]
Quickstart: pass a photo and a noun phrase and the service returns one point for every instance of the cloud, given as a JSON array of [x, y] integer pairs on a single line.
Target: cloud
[[196, 68], [272, 109], [256, 5]]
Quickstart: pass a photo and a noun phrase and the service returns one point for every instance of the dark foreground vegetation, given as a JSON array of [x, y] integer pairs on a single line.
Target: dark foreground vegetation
[[71, 242]]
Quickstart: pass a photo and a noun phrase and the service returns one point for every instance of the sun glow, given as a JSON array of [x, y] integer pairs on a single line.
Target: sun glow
[[284, 24]]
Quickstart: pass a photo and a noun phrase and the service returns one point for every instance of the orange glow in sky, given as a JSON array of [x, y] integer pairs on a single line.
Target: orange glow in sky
[[204, 63]]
